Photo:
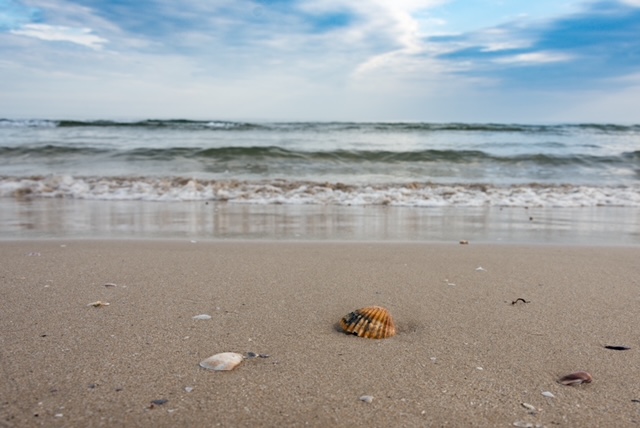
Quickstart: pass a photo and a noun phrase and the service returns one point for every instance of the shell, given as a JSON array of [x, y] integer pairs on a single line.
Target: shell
[[576, 378], [98, 304], [222, 362], [372, 322], [202, 317]]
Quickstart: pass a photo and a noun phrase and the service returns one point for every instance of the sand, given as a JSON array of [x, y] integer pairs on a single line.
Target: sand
[[464, 354]]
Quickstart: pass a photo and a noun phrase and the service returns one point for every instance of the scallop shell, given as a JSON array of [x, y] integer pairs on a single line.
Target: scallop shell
[[576, 378], [222, 362], [372, 322]]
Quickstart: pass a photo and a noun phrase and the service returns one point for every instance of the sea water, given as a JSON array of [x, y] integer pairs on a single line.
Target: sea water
[[369, 165]]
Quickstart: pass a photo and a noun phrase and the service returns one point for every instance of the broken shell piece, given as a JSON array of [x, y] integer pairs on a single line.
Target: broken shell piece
[[109, 284], [202, 317], [367, 398], [222, 362], [576, 378], [529, 407], [372, 322], [98, 304], [464, 242], [617, 347], [548, 394]]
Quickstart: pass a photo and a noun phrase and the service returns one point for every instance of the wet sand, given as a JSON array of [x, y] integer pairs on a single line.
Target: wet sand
[[80, 219], [465, 355]]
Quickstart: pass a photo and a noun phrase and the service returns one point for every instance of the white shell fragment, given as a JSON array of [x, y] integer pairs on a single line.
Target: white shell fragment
[[548, 394], [222, 362], [202, 317], [525, 424], [366, 398], [98, 304]]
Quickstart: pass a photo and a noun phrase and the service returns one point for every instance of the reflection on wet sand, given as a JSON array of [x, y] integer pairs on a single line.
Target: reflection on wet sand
[[200, 220]]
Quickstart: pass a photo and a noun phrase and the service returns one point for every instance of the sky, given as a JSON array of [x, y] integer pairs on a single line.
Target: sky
[[505, 61]]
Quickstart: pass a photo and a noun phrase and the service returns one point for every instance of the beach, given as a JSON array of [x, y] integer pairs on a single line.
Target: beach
[[484, 329]]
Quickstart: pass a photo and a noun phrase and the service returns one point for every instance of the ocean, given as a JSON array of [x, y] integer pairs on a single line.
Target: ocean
[[302, 164]]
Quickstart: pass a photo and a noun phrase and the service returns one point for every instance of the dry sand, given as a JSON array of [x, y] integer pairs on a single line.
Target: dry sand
[[464, 355]]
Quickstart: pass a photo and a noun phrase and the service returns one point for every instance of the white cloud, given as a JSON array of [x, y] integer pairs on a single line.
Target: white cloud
[[58, 33], [534, 58], [400, 21], [635, 3]]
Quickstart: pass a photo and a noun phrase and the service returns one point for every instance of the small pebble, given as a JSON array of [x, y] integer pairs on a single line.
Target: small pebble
[[367, 398], [159, 402], [481, 269], [188, 388]]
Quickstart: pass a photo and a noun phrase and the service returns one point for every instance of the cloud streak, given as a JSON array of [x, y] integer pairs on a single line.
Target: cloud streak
[[58, 33]]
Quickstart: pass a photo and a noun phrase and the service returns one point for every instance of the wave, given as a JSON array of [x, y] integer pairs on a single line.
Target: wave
[[222, 125], [414, 194], [275, 153]]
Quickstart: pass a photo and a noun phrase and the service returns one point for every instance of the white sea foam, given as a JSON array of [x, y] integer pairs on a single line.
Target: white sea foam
[[27, 123], [305, 192]]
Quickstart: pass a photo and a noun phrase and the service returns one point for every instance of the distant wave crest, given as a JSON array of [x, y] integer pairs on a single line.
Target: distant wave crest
[[223, 125]]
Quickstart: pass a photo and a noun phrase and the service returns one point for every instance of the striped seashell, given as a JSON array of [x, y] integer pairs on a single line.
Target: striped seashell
[[372, 322]]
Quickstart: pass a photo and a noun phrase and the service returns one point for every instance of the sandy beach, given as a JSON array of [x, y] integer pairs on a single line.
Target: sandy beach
[[464, 355]]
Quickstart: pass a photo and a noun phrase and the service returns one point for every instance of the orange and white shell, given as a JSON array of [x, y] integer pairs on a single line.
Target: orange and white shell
[[372, 322]]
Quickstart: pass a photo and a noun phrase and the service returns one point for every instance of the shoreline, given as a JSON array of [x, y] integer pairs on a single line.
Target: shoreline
[[464, 355], [64, 218]]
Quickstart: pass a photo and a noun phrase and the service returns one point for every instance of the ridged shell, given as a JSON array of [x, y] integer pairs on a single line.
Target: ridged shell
[[576, 378], [221, 362], [372, 322]]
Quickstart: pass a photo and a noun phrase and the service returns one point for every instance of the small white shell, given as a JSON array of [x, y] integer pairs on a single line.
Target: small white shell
[[98, 304], [548, 394], [367, 398], [202, 317], [221, 362]]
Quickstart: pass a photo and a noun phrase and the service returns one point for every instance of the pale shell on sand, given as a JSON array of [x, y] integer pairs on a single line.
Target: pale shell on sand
[[223, 361], [98, 304], [202, 317]]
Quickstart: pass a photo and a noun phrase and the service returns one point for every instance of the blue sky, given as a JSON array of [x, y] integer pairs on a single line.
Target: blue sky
[[418, 60]]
